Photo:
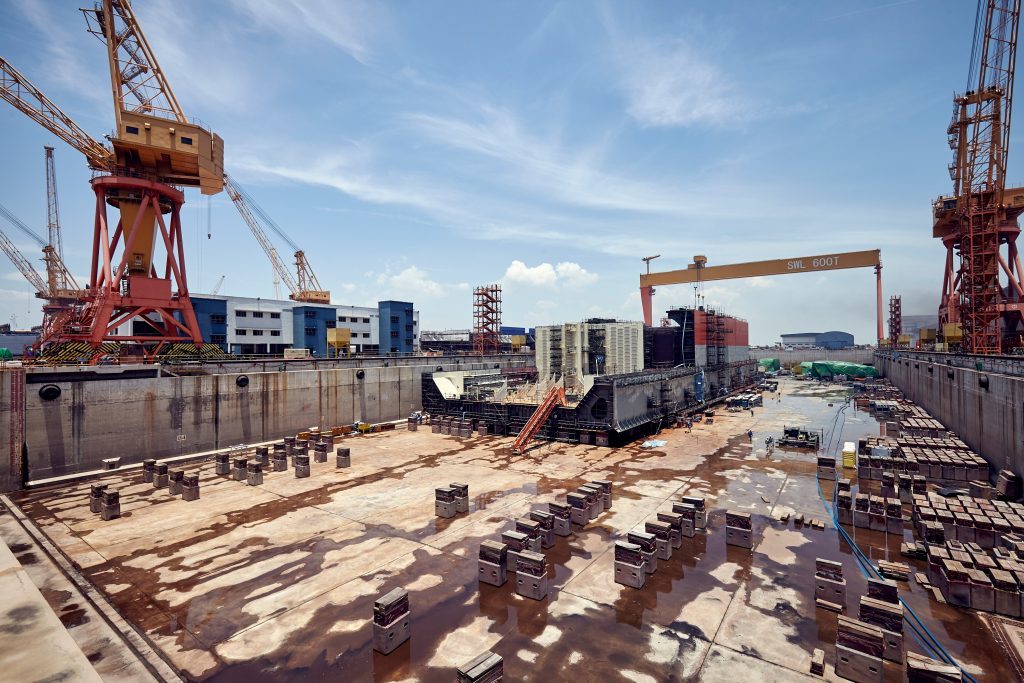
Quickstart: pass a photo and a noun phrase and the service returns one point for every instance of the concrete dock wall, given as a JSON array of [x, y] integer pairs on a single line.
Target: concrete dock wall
[[985, 409], [163, 416]]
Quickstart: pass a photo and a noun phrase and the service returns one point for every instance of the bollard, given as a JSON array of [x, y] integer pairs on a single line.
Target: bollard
[[344, 457], [391, 621], [147, 470], [320, 452], [111, 463], [279, 461], [738, 530], [662, 532], [595, 499], [111, 508], [240, 471], [546, 520], [461, 497], [700, 505], [254, 474], [263, 456], [190, 487], [675, 521], [444, 502], [96, 497], [301, 463], [648, 548], [525, 525], [578, 508], [493, 563], [160, 475], [516, 543], [629, 565], [689, 515], [485, 668], [174, 479], [223, 463], [563, 522], [606, 490], [531, 575]]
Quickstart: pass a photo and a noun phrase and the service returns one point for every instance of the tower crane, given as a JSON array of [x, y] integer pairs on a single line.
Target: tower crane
[[17, 258], [979, 218], [137, 279], [305, 287], [60, 282]]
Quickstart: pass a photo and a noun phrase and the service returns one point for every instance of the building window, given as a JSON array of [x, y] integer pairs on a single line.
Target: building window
[[218, 319], [275, 333], [366, 320], [219, 338], [408, 341], [241, 333], [310, 315], [341, 318], [275, 316], [394, 334], [257, 314], [366, 335], [394, 319], [330, 324], [310, 331], [239, 314], [408, 328], [134, 130], [185, 140], [257, 333]]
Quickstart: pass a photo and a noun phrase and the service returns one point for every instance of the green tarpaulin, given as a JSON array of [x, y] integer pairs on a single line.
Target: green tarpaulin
[[5, 354], [831, 368], [770, 364]]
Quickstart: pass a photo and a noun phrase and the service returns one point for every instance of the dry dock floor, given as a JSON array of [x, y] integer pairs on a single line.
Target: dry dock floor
[[277, 582]]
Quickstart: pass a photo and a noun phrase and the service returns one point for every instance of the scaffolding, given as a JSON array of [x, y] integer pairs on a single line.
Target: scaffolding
[[487, 320], [895, 320]]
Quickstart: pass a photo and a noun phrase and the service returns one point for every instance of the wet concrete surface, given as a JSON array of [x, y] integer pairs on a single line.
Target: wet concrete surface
[[277, 582]]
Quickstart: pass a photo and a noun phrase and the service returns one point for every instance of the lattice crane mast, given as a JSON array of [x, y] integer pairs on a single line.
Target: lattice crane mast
[[980, 217], [60, 282], [305, 287], [137, 279]]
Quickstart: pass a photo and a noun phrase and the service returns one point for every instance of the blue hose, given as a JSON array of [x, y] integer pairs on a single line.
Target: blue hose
[[917, 627]]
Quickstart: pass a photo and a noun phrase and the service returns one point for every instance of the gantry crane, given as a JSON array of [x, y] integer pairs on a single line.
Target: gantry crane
[[980, 217], [699, 272], [137, 279], [305, 287]]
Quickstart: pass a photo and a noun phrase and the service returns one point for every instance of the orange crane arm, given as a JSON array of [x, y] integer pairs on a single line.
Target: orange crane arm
[[17, 258], [20, 92], [253, 222], [802, 264]]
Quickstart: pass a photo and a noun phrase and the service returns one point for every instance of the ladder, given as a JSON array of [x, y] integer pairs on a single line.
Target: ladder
[[555, 397]]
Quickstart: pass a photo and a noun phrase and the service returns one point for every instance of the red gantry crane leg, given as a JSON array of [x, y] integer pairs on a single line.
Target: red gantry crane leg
[[555, 397]]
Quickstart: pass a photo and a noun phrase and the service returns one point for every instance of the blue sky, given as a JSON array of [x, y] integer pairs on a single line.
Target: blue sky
[[417, 149]]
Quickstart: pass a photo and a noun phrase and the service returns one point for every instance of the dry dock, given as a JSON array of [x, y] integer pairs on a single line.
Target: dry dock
[[279, 580]]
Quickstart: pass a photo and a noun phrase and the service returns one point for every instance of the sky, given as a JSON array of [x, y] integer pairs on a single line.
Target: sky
[[415, 150]]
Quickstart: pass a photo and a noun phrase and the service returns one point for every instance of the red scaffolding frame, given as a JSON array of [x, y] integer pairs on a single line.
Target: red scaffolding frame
[[487, 320]]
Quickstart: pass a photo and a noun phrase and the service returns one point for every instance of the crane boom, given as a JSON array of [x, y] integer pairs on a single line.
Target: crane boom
[[306, 287], [245, 209], [17, 258], [59, 279], [20, 92]]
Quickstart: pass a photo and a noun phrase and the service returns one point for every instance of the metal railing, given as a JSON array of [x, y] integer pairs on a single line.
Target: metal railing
[[998, 365]]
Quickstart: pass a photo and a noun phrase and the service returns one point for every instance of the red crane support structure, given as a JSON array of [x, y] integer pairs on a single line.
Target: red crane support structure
[[979, 219], [137, 277], [487, 320], [554, 397]]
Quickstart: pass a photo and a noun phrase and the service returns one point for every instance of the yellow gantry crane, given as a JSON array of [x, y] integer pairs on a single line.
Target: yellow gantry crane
[[304, 286]]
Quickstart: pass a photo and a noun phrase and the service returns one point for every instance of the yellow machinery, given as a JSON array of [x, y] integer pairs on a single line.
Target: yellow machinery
[[339, 342], [699, 271]]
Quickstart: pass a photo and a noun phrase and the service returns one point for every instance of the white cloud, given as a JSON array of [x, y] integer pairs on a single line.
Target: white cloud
[[671, 85], [411, 283], [350, 26], [547, 275]]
